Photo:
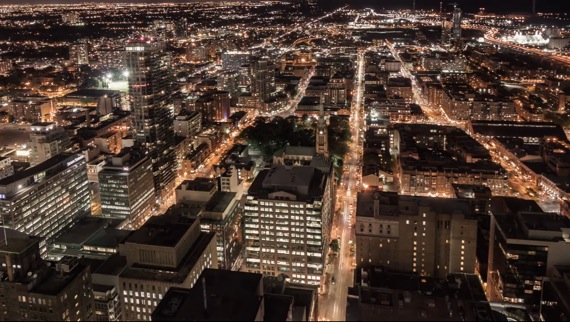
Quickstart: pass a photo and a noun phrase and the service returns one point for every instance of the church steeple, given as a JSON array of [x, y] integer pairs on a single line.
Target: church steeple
[[322, 138]]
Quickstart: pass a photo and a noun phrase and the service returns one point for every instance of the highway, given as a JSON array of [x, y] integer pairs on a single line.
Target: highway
[[332, 304]]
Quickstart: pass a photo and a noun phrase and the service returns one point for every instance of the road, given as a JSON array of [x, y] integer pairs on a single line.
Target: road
[[292, 105], [332, 304]]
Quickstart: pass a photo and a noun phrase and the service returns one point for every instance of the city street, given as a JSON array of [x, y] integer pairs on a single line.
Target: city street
[[332, 304]]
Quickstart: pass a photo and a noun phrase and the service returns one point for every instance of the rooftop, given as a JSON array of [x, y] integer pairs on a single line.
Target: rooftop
[[172, 275], [230, 295], [165, 230], [55, 282], [220, 201]]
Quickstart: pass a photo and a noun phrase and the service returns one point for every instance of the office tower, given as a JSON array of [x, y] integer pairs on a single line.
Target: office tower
[[151, 105], [428, 236], [233, 60], [79, 53], [322, 136], [31, 290], [525, 246], [126, 187], [47, 140], [167, 251], [45, 199], [287, 223], [456, 26], [263, 71]]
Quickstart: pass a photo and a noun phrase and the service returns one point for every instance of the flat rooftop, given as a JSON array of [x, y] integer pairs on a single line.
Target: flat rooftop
[[162, 230], [220, 201], [198, 184], [54, 282], [85, 229], [172, 275], [230, 296]]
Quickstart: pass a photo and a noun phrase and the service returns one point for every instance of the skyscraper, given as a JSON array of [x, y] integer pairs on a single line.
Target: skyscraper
[[456, 26], [151, 104], [263, 78], [451, 29]]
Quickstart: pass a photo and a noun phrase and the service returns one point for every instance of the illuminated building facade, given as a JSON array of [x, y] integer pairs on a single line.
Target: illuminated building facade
[[127, 189], [167, 251], [45, 199], [149, 67], [47, 140], [287, 223]]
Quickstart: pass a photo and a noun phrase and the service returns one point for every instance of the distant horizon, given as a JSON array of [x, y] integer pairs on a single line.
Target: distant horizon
[[504, 6]]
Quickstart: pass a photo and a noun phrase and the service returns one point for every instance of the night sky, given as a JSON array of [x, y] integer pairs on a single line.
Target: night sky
[[467, 5]]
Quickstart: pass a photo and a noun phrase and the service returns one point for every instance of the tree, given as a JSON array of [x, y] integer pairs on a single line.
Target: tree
[[335, 245]]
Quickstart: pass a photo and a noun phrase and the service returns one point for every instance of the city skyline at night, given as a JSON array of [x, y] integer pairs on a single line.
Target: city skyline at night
[[302, 160]]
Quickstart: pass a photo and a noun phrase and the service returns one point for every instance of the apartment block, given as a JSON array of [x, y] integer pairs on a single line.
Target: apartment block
[[428, 236]]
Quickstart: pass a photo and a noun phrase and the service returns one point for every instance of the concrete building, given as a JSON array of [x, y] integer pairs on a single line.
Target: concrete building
[[428, 236], [288, 219], [381, 295], [79, 53], [6, 168], [45, 199], [188, 125], [233, 60], [167, 251], [224, 295], [32, 291], [47, 140], [126, 188], [526, 245], [149, 66], [32, 109]]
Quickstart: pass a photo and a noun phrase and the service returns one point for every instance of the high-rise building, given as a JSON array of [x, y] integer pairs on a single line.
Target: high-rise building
[[221, 105], [47, 140], [456, 26], [167, 251], [451, 28], [45, 199], [322, 136], [263, 71], [428, 236], [233, 60], [151, 105], [525, 246], [31, 290], [126, 187], [79, 53], [287, 223]]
